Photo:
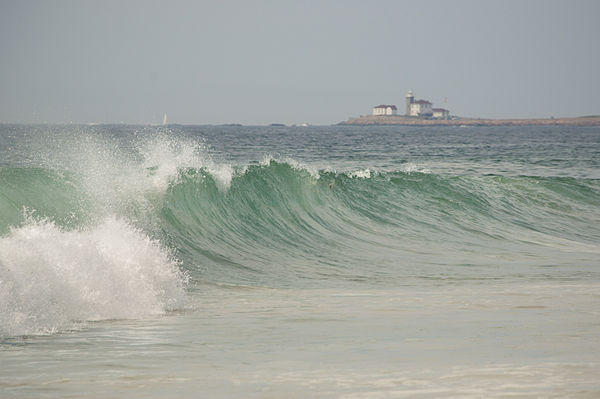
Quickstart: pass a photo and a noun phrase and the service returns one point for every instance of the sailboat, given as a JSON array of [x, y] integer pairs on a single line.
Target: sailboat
[[165, 119]]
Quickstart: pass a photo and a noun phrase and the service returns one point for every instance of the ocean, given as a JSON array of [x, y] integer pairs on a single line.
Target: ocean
[[299, 262]]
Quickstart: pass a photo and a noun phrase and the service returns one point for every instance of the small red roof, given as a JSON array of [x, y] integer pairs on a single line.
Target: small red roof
[[386, 106], [421, 102]]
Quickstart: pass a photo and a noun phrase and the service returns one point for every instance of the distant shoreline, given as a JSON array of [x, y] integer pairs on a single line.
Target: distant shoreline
[[412, 121]]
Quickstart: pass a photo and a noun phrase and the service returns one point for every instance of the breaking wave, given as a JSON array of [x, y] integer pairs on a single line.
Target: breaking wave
[[103, 234]]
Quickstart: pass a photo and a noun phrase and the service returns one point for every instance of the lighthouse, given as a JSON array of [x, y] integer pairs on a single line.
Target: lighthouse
[[409, 100]]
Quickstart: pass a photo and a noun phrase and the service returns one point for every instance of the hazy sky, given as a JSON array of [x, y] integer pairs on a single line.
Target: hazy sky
[[258, 62]]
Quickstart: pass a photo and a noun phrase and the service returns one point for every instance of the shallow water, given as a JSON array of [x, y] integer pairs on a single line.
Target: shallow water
[[492, 340]]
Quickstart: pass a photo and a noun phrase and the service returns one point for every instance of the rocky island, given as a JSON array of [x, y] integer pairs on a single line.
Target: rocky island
[[456, 121], [422, 113]]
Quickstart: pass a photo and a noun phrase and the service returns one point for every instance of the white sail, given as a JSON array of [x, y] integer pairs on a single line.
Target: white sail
[[165, 119]]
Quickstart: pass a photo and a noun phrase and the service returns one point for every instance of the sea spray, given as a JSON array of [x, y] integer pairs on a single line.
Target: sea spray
[[52, 279], [167, 155]]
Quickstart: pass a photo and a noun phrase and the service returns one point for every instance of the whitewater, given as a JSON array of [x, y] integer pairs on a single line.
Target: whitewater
[[320, 261]]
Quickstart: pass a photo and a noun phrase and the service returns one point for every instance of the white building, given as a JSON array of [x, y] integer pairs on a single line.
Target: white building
[[385, 110], [421, 108], [441, 113]]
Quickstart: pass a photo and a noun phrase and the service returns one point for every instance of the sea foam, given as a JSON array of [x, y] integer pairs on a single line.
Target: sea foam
[[53, 280]]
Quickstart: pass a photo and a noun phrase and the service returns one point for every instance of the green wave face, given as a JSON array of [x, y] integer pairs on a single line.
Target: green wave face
[[40, 193], [277, 223]]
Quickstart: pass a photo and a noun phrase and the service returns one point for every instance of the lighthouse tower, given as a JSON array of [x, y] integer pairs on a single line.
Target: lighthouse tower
[[409, 100]]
